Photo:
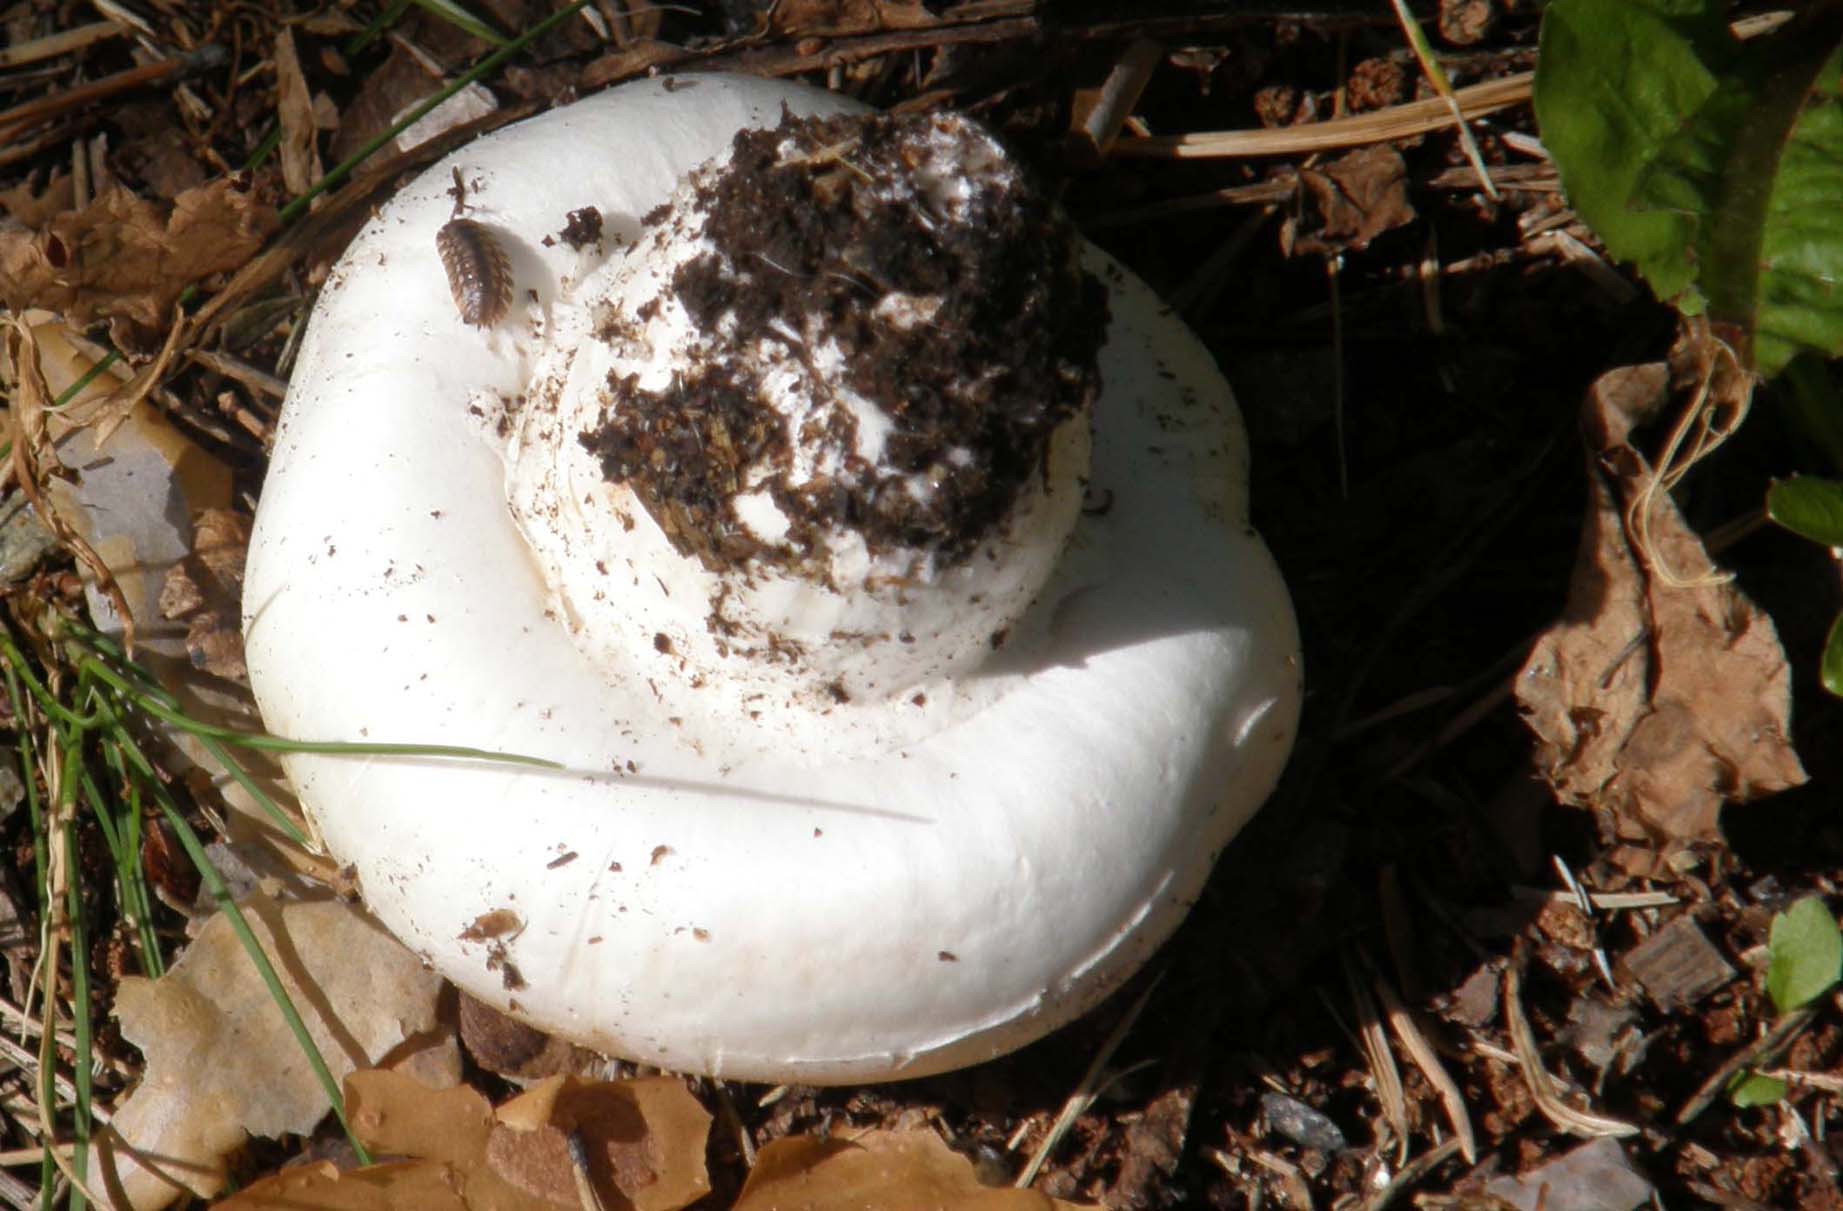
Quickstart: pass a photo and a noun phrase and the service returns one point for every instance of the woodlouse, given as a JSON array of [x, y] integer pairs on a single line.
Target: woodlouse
[[479, 276]]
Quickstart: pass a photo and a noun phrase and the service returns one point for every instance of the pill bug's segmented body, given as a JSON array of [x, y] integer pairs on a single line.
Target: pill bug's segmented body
[[479, 276]]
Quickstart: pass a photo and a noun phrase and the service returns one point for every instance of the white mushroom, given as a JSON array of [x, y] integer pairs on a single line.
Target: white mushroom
[[882, 755]]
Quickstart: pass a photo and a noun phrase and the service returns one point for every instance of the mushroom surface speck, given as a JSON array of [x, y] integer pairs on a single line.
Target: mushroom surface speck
[[761, 513]]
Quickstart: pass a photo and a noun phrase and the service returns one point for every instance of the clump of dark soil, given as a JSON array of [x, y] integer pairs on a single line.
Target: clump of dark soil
[[949, 289]]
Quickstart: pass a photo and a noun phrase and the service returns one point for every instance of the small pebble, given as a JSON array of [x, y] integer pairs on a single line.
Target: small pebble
[[1298, 1122], [1596, 1176]]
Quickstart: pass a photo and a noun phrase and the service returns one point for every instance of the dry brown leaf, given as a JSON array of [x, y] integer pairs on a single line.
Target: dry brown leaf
[[35, 464], [221, 1063], [1652, 703], [644, 1141], [125, 258], [299, 153], [508, 1047], [394, 85], [205, 591], [644, 1144], [876, 1171], [155, 152], [1354, 199], [118, 481], [33, 208], [399, 1186], [393, 1114]]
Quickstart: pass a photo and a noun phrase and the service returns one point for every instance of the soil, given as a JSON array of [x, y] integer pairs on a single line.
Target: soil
[[812, 218], [1411, 377]]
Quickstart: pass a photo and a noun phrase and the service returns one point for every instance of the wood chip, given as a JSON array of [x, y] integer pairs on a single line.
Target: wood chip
[[1100, 113], [1677, 965]]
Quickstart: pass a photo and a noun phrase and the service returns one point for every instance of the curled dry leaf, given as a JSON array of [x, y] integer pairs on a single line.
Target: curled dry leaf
[[36, 466], [876, 1171], [1653, 703], [125, 258], [220, 1062], [519, 1052], [1351, 200], [34, 207], [643, 1142], [391, 87], [299, 151]]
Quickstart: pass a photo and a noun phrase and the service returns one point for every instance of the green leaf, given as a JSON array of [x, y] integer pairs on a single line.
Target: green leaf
[[1830, 667], [1714, 166], [1807, 954], [1809, 507], [1752, 1089], [1615, 80]]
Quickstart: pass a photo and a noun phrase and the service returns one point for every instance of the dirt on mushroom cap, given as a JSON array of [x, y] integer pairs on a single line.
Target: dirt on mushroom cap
[[814, 239]]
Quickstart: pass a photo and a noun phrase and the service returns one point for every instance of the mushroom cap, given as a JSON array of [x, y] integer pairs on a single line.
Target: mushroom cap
[[894, 907]]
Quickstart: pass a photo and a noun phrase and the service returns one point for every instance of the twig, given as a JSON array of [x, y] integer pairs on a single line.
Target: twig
[[1582, 902], [1754, 1055], [1298, 1193], [16, 1194], [1828, 1082], [27, 1062], [1382, 1068], [1408, 1033], [726, 1110], [1724, 1198], [13, 120], [1411, 1174], [1204, 284], [1541, 1084], [235, 368], [1110, 104], [1605, 901], [1086, 1089], [1436, 76], [33, 50], [1396, 122], [586, 1193]]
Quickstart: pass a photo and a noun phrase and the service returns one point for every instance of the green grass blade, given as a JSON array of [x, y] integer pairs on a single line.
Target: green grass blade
[[85, 379], [391, 13], [265, 148], [153, 959], [79, 984], [123, 839], [15, 662], [461, 19], [262, 742], [270, 808]]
